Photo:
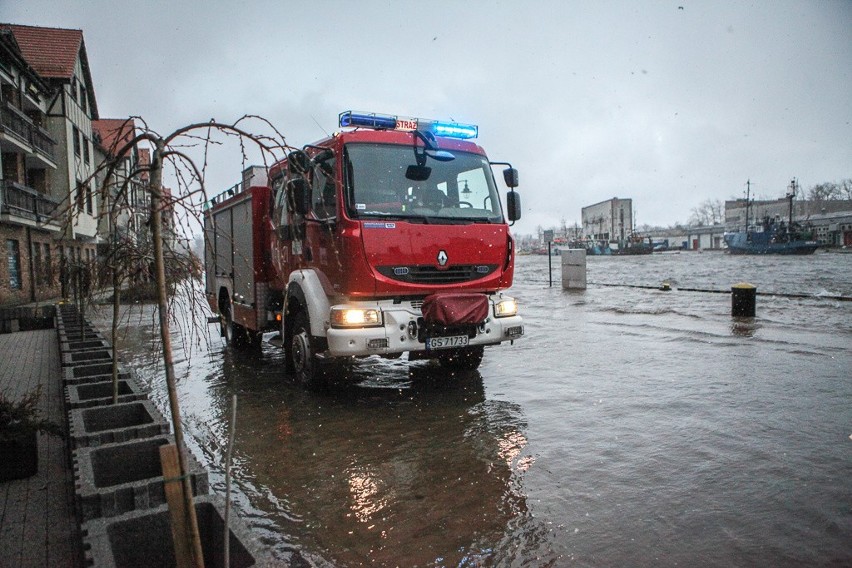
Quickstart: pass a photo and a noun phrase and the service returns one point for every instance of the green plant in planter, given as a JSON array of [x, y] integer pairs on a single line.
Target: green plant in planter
[[20, 422], [23, 417]]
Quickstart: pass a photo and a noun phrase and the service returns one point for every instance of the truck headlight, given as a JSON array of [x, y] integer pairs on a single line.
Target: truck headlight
[[355, 317], [505, 308]]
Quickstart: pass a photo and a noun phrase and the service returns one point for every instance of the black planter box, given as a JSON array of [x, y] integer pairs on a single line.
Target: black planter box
[[20, 457], [144, 538]]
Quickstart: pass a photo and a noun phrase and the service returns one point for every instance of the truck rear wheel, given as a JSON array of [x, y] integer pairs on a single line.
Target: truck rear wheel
[[235, 335], [463, 359], [301, 356]]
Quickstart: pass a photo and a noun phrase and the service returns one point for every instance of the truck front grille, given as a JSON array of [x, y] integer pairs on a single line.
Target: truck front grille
[[427, 274]]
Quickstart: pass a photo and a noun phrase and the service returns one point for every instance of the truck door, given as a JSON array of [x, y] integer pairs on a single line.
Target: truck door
[[308, 241], [282, 242], [322, 247]]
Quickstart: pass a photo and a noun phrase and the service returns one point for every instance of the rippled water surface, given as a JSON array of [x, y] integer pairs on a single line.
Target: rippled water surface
[[630, 427]]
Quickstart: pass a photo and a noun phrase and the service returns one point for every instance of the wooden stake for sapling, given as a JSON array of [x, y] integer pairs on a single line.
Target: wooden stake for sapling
[[168, 360]]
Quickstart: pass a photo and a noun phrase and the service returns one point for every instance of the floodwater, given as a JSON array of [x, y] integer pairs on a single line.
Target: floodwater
[[630, 427]]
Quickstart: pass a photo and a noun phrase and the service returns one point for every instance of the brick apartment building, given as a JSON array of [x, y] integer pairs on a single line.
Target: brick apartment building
[[48, 205], [52, 142]]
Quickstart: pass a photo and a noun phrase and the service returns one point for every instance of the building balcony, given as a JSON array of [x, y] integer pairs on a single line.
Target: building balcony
[[26, 206], [18, 128]]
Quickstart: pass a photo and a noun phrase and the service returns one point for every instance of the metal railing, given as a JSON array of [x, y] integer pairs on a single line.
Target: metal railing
[[20, 125], [21, 201]]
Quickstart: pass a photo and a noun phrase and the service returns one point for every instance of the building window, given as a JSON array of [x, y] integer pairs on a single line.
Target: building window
[[79, 195], [9, 94], [86, 156], [84, 99], [13, 254], [76, 134], [89, 198]]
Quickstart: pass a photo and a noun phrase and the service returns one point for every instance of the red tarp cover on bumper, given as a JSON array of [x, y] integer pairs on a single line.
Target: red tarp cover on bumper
[[455, 309]]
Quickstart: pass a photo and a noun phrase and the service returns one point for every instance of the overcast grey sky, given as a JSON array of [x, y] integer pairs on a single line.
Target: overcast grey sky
[[668, 102]]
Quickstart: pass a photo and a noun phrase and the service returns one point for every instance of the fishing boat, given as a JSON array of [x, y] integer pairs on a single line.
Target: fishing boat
[[598, 248], [772, 236], [635, 244], [593, 247]]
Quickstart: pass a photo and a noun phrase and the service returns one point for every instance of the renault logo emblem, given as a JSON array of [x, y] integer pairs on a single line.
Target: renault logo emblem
[[442, 258]]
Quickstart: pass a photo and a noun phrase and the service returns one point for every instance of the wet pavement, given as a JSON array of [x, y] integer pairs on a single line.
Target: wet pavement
[[37, 522]]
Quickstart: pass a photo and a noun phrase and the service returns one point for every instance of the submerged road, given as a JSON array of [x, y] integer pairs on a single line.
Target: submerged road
[[629, 427]]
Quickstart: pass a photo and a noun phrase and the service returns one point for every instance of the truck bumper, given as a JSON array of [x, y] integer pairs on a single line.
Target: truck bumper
[[400, 330]]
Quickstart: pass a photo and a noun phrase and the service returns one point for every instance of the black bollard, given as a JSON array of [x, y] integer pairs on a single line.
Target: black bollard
[[743, 300]]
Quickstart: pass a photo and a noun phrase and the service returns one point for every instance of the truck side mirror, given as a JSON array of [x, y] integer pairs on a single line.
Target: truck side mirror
[[300, 193], [298, 162], [513, 205], [510, 176], [324, 154]]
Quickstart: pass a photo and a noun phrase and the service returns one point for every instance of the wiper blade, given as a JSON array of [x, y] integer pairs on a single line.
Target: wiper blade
[[426, 219], [366, 216]]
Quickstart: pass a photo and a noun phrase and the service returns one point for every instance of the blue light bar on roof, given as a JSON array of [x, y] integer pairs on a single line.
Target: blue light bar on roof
[[454, 130], [391, 122], [368, 120]]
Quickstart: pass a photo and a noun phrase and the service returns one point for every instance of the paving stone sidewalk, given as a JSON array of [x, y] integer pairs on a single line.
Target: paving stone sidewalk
[[37, 522]]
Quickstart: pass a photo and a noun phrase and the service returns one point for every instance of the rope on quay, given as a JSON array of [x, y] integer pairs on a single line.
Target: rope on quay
[[666, 287]]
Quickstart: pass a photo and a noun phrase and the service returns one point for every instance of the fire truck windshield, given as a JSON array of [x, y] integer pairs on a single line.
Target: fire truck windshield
[[460, 190]]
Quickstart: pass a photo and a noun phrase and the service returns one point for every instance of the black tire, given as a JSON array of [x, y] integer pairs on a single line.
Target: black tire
[[226, 324], [463, 359], [301, 353], [235, 335], [286, 339]]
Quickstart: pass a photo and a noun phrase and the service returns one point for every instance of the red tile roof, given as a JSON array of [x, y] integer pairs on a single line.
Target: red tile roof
[[52, 52], [114, 132]]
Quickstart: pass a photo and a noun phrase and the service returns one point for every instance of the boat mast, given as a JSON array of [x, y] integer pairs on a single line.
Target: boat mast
[[748, 201], [791, 194]]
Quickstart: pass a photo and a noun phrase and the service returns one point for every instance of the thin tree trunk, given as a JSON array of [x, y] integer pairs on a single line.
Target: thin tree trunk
[[78, 292], [162, 302], [226, 560], [116, 301]]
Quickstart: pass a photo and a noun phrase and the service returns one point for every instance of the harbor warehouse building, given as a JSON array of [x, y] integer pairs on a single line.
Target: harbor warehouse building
[[610, 220]]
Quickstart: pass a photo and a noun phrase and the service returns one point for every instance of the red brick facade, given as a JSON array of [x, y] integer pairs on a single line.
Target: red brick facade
[[30, 264]]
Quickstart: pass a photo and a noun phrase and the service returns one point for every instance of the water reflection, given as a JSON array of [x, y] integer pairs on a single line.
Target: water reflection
[[409, 467], [399, 464]]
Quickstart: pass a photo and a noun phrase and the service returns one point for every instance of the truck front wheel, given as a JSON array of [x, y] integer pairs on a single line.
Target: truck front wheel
[[302, 356], [463, 359]]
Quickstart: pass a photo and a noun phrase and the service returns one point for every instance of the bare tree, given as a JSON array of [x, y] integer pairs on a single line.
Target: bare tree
[[708, 212], [184, 154], [826, 191], [846, 188]]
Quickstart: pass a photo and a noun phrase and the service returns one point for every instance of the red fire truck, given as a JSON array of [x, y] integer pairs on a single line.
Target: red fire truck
[[387, 237]]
